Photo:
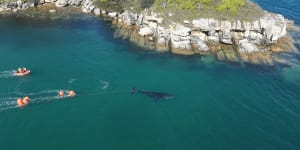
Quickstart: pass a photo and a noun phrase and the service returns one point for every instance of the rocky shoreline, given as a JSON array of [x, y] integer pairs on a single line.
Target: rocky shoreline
[[257, 42]]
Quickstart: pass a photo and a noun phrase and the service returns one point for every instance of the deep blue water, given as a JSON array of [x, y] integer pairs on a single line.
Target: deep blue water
[[217, 105], [288, 8]]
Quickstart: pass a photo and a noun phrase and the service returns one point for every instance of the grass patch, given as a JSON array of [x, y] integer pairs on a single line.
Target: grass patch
[[180, 10]]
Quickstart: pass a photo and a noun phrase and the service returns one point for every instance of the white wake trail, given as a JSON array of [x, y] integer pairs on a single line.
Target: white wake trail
[[7, 74]]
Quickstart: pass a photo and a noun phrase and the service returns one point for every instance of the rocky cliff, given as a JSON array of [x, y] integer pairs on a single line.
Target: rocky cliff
[[257, 42], [237, 40]]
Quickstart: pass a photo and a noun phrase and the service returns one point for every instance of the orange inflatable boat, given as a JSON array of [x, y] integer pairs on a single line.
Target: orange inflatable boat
[[27, 72], [22, 102], [61, 93], [72, 93]]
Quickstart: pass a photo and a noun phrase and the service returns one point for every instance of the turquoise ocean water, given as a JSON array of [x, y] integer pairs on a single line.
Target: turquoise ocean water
[[217, 105]]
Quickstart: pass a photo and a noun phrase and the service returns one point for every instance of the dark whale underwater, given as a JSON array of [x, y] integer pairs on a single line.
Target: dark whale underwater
[[152, 94]]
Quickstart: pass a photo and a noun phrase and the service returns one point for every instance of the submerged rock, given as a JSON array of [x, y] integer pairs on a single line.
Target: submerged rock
[[284, 44], [227, 54], [258, 58]]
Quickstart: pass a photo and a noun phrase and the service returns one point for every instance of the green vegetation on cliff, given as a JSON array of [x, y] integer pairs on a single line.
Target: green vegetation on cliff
[[222, 6], [178, 10], [219, 9], [111, 5]]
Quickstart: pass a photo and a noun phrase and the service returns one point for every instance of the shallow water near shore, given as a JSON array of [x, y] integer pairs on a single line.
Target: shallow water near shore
[[217, 105]]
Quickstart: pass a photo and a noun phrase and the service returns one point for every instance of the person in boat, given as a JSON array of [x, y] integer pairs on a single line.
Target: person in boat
[[22, 70], [19, 70]]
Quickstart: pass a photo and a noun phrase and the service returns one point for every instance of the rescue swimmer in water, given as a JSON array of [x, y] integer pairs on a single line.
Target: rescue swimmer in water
[[22, 102], [22, 72]]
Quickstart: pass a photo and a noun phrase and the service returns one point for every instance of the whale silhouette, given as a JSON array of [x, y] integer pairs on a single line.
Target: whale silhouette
[[152, 94]]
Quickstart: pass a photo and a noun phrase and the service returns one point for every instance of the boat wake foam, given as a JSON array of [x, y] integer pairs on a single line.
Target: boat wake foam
[[7, 74], [10, 102], [29, 94], [104, 84]]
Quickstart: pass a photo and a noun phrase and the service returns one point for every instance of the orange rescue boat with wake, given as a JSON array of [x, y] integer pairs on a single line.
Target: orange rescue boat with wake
[[61, 93], [22, 72], [26, 100], [72, 93], [22, 102]]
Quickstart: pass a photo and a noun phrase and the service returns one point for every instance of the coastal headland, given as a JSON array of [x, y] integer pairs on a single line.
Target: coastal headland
[[247, 34]]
